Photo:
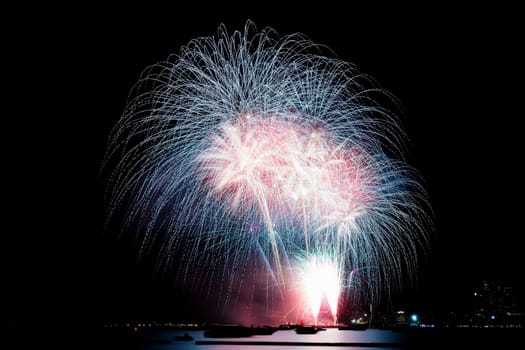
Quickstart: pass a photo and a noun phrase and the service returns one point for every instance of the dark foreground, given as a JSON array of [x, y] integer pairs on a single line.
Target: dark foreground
[[465, 338], [420, 338]]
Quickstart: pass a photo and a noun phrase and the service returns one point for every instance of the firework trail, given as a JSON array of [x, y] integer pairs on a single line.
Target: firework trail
[[247, 151]]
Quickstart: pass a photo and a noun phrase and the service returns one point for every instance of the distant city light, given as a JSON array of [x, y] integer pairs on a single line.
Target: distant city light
[[413, 318]]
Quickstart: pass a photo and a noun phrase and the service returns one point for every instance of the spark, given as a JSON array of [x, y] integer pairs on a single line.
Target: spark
[[247, 151], [321, 278]]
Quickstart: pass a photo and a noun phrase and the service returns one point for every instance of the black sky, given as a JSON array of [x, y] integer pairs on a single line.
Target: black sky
[[458, 73]]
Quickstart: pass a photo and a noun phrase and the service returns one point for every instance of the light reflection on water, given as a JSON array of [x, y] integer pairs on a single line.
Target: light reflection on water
[[331, 335]]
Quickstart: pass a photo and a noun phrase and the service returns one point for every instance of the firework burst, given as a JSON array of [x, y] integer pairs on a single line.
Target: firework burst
[[247, 151]]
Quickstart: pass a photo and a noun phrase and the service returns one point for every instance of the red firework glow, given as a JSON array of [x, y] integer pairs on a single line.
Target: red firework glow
[[287, 170]]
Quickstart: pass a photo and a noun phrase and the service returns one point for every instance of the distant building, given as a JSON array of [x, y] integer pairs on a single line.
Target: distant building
[[400, 319], [494, 304]]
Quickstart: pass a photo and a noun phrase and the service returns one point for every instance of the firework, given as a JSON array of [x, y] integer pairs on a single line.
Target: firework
[[247, 151], [321, 277]]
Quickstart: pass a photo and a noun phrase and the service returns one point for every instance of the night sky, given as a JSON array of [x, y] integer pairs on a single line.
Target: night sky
[[457, 72]]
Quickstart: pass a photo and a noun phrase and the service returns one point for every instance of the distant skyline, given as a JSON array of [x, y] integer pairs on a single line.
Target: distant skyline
[[457, 75]]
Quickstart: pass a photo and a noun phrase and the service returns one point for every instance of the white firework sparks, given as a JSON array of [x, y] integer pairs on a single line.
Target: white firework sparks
[[247, 151]]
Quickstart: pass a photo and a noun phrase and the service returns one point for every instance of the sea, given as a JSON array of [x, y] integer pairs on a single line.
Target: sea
[[331, 338]]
